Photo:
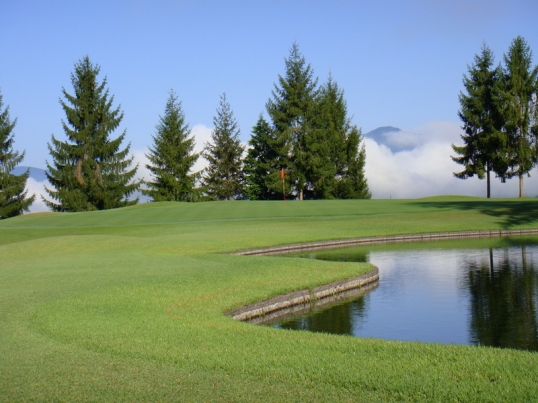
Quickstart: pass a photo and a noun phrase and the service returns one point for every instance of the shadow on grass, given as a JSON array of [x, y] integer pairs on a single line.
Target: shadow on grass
[[511, 214]]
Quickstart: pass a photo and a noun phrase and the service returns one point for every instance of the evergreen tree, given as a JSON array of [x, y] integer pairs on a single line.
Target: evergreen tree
[[485, 144], [353, 183], [328, 151], [311, 138], [223, 179], [520, 85], [261, 170], [172, 157], [292, 110], [13, 200], [89, 172]]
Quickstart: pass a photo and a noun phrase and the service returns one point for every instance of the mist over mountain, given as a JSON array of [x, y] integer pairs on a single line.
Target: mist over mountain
[[393, 138]]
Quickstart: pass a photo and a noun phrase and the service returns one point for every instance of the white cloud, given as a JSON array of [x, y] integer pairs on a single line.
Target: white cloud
[[140, 158], [37, 188], [202, 134], [427, 169]]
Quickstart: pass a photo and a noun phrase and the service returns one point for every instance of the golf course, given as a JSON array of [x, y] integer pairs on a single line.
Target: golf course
[[129, 304]]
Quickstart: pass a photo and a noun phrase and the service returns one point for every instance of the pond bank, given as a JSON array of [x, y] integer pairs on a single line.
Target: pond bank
[[306, 300], [281, 249]]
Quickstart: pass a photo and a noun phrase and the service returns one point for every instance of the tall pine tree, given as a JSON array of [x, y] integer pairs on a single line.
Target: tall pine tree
[[223, 179], [13, 200], [339, 156], [310, 137], [345, 155], [172, 157], [485, 143], [520, 85], [292, 111], [89, 171], [260, 168]]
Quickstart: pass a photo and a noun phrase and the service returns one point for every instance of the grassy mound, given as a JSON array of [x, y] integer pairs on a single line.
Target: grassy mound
[[127, 305]]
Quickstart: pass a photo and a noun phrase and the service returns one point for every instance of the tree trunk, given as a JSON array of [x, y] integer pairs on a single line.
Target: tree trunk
[[301, 194], [488, 183], [521, 190]]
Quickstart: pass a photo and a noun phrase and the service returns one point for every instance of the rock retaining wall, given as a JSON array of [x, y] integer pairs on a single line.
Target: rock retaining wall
[[275, 250], [299, 299]]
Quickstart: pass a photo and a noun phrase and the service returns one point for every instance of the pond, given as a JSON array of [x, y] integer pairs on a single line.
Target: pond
[[476, 292]]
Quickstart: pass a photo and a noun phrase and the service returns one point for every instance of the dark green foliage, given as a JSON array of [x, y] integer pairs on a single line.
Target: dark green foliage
[[341, 157], [223, 179], [172, 157], [89, 172], [311, 138], [353, 183], [13, 200], [324, 144], [518, 97], [292, 111], [485, 143], [261, 170]]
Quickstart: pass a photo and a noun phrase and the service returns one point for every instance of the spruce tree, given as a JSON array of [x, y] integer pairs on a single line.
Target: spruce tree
[[89, 171], [312, 138], [353, 183], [260, 168], [328, 148], [172, 157], [345, 155], [485, 144], [292, 111], [223, 179], [13, 200], [520, 85]]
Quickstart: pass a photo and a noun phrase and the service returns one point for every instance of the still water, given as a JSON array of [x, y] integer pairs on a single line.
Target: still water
[[477, 292]]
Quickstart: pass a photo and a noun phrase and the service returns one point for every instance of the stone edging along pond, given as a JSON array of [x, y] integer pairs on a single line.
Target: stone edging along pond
[[303, 300], [300, 247], [306, 300]]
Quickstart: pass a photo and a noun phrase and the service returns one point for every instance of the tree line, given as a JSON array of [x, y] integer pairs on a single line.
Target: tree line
[[307, 149], [499, 111]]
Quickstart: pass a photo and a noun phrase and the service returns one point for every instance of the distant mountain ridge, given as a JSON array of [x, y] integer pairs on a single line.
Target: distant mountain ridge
[[393, 138], [380, 131], [35, 173]]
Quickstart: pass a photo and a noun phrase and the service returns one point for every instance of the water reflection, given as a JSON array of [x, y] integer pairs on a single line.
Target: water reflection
[[339, 319], [503, 294], [482, 292]]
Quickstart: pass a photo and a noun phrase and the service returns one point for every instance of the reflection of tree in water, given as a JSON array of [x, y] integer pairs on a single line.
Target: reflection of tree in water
[[337, 319], [503, 295]]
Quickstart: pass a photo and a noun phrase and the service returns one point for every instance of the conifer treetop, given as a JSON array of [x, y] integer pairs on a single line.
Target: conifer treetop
[[223, 179], [172, 156], [89, 171]]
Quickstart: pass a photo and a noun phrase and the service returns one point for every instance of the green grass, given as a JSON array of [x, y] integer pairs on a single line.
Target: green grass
[[127, 305]]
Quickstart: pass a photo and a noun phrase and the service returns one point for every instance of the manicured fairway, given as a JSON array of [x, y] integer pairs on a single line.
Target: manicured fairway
[[127, 305]]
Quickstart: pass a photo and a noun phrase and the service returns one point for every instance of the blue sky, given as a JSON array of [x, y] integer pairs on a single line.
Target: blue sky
[[400, 63]]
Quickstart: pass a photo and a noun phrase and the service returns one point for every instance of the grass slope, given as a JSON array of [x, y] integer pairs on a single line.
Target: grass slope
[[127, 305]]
